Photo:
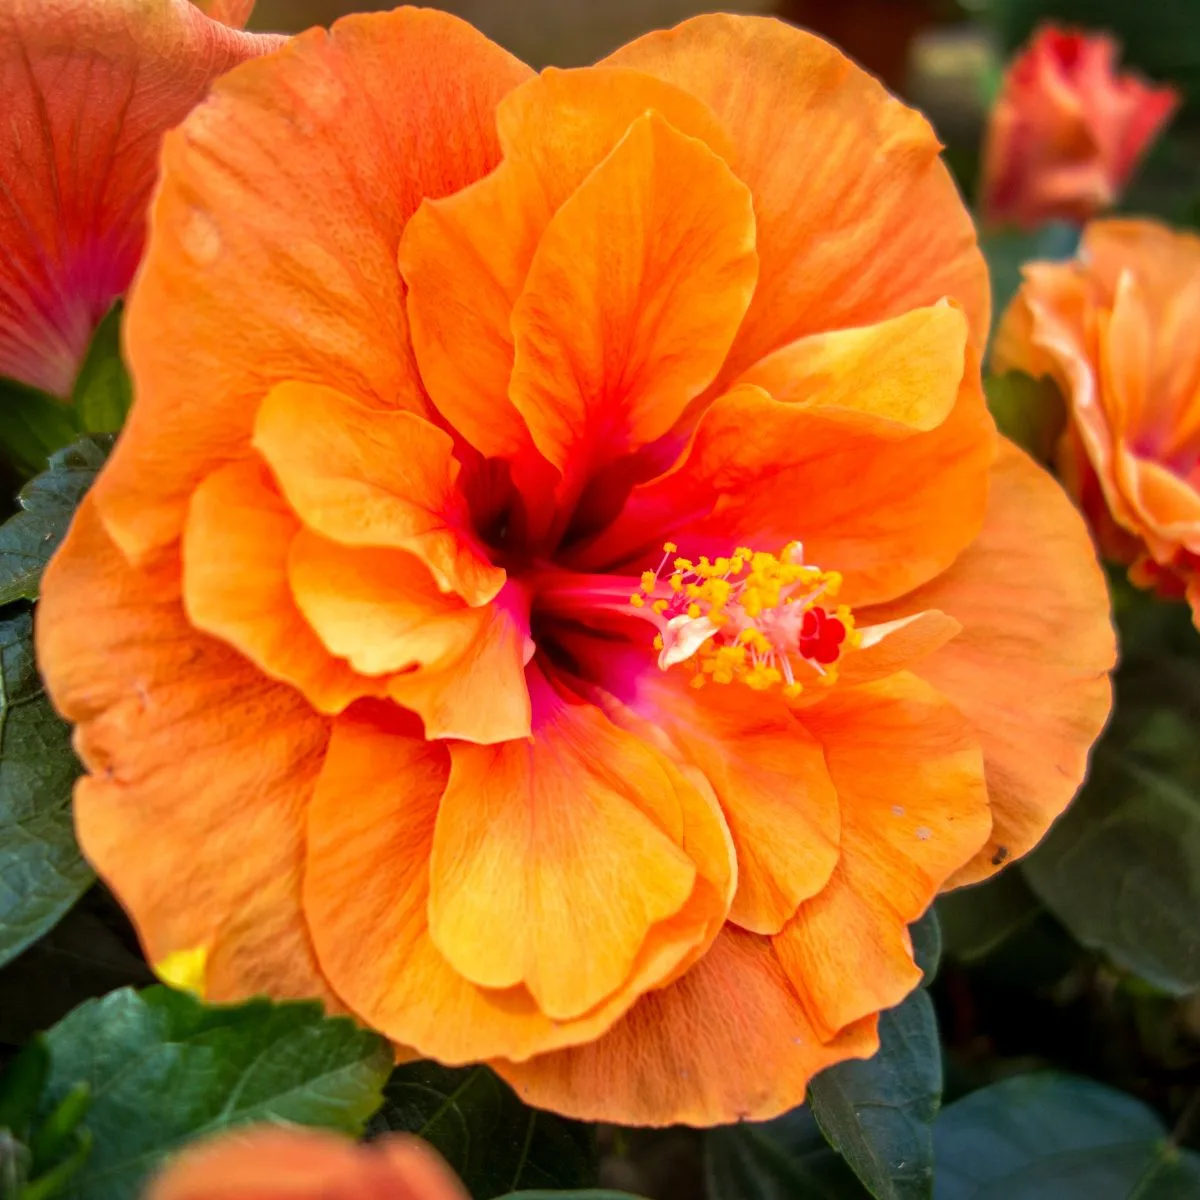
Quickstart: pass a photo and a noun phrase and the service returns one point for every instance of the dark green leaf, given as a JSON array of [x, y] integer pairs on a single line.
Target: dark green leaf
[[164, 1068], [784, 1159], [48, 503], [495, 1142], [41, 871], [1028, 411], [21, 1087], [33, 425], [927, 945], [976, 920], [1121, 869], [1007, 251], [89, 953], [878, 1113], [1049, 1136], [584, 1194], [103, 392]]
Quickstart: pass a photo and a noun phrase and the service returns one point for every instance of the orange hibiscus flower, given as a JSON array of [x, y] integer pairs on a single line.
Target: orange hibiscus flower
[[387, 685], [1114, 330], [90, 87], [1067, 131], [266, 1163]]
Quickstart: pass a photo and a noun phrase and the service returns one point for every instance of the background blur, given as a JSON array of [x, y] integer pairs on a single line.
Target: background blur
[[945, 56]]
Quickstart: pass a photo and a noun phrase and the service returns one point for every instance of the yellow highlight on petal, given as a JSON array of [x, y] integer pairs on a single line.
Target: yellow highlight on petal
[[185, 970]]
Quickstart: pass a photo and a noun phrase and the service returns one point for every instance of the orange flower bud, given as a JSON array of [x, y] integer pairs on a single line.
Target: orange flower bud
[[1116, 330], [1067, 131]]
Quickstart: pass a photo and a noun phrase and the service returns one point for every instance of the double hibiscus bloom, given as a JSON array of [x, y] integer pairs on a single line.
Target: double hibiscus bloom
[[559, 595]]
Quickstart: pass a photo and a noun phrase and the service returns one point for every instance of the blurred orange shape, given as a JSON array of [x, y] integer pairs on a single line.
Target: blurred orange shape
[[268, 1163], [1068, 130]]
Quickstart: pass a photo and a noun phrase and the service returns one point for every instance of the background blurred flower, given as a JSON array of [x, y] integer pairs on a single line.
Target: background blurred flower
[[1067, 131], [269, 1163], [89, 88], [382, 651], [1116, 330]]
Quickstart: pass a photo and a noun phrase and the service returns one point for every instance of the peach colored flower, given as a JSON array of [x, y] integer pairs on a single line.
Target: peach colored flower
[[369, 627], [271, 1163], [1067, 131], [1115, 330], [89, 87]]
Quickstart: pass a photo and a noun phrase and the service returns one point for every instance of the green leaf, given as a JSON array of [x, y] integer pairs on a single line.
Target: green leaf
[[1048, 1136], [783, 1159], [90, 952], [977, 920], [1028, 411], [103, 391], [33, 425], [42, 873], [878, 1113], [1121, 869], [927, 945], [21, 1087], [493, 1141], [164, 1068], [48, 503]]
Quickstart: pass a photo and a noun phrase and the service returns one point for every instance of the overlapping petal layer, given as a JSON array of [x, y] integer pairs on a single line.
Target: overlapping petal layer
[[461, 361]]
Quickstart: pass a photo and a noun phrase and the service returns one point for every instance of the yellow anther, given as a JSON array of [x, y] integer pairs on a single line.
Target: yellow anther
[[683, 564], [659, 606], [658, 641], [694, 611], [669, 547], [649, 579], [637, 600], [792, 690]]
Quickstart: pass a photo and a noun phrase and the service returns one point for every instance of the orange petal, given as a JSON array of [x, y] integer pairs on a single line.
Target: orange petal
[[554, 858], [89, 90], [275, 231], [903, 372], [728, 1041], [892, 646], [192, 753], [272, 1163], [887, 511], [465, 258], [381, 610], [366, 893], [481, 696], [369, 478], [235, 585], [633, 297], [1030, 667], [858, 219], [909, 778], [774, 789]]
